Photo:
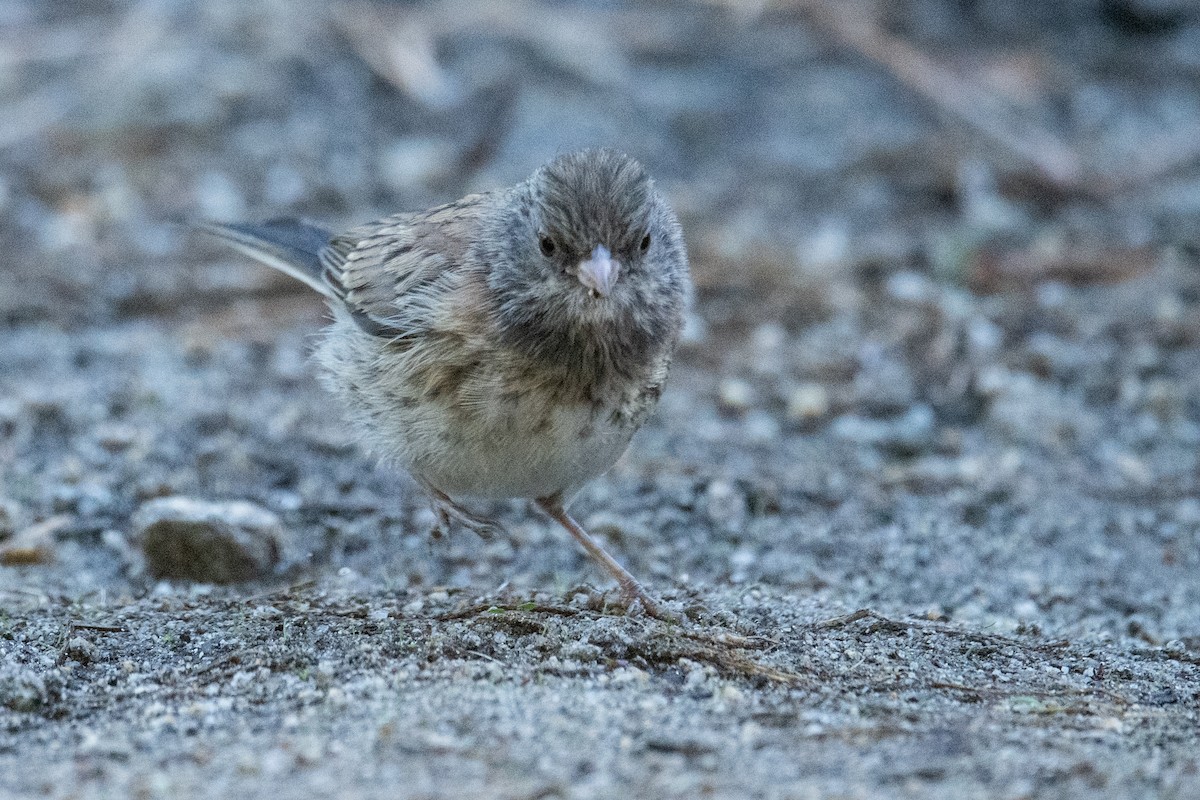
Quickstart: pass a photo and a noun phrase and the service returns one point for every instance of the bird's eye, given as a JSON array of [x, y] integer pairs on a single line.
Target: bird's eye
[[547, 245], [645, 243]]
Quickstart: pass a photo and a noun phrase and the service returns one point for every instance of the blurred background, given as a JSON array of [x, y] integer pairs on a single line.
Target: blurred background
[[945, 250], [989, 144]]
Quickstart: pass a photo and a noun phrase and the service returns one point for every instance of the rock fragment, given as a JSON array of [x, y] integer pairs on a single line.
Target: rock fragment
[[735, 395], [33, 545], [807, 402], [23, 689], [184, 538]]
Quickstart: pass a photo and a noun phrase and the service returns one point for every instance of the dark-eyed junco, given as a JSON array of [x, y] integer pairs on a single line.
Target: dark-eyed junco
[[507, 344]]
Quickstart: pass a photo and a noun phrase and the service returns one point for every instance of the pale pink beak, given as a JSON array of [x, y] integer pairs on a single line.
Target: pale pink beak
[[599, 271]]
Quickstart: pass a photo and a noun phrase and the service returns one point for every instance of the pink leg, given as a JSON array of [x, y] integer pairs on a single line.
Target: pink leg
[[631, 589]]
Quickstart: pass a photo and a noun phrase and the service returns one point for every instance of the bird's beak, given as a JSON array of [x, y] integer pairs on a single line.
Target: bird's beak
[[599, 271]]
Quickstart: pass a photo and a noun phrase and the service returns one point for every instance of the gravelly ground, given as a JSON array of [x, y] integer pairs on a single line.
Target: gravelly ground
[[921, 381]]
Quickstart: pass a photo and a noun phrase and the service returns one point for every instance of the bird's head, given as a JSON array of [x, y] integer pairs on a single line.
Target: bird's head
[[599, 257]]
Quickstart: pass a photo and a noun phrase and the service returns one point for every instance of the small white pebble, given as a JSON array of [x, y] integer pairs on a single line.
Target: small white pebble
[[910, 286], [808, 401], [735, 394]]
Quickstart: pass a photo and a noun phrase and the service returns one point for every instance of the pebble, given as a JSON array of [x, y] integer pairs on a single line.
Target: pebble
[[116, 437], [408, 163], [912, 287], [33, 545], [284, 185], [902, 436], [807, 402], [1034, 412], [218, 196], [82, 499], [26, 690], [80, 650], [760, 427], [725, 505], [884, 385], [735, 395], [184, 538]]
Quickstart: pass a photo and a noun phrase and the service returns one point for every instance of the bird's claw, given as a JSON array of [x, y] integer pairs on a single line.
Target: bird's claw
[[448, 512]]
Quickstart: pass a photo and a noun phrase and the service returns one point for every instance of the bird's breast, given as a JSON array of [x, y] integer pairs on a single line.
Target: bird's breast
[[473, 418], [516, 444]]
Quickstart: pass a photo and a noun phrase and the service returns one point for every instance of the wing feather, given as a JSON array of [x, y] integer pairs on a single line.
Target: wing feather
[[377, 270]]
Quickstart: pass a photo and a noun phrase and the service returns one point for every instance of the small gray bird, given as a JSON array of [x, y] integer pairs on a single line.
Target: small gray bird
[[505, 345]]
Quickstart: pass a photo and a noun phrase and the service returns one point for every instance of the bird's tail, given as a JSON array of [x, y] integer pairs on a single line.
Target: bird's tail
[[290, 246]]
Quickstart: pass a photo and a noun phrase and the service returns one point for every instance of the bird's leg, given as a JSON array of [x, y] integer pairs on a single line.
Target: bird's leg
[[446, 510], [631, 589], [441, 523]]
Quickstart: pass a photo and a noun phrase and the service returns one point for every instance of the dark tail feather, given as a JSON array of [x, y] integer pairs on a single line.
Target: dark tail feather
[[290, 246]]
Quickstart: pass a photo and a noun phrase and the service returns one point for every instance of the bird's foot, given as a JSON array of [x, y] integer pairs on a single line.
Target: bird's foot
[[636, 594], [448, 512], [632, 591]]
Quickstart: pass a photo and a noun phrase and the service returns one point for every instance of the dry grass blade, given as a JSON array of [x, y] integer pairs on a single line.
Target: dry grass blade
[[1020, 691], [991, 115], [996, 271], [398, 47], [478, 609], [648, 643], [985, 112], [880, 622], [88, 626], [399, 43]]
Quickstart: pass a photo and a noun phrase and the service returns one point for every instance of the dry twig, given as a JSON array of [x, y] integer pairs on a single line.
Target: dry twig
[[985, 112], [991, 116]]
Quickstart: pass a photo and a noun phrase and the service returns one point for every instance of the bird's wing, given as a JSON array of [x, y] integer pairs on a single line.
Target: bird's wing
[[381, 270]]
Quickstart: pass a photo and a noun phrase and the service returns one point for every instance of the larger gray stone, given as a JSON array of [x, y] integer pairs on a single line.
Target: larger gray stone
[[214, 542]]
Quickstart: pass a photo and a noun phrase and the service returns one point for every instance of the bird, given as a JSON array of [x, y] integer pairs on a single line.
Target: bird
[[504, 345]]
